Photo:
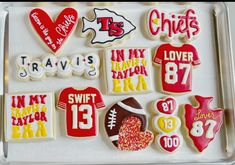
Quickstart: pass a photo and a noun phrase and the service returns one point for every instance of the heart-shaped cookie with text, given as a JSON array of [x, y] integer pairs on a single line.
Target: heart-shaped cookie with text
[[202, 122], [169, 143], [166, 124], [131, 138], [165, 106], [54, 34]]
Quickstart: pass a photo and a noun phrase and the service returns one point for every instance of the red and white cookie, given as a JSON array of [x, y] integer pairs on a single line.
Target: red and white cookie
[[53, 33], [202, 122], [128, 70], [169, 142], [176, 64], [106, 28], [170, 26], [80, 106], [166, 106], [125, 124], [29, 116]]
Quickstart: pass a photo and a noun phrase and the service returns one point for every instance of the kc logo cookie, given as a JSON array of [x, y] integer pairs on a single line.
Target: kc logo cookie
[[169, 26], [202, 122], [176, 67], [36, 69], [80, 106], [107, 27], [128, 70], [125, 124], [54, 34], [29, 116]]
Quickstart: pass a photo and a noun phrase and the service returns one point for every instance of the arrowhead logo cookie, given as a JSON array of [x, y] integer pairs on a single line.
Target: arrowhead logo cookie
[[202, 122], [128, 70], [80, 106], [29, 116], [125, 124], [176, 67], [54, 34], [168, 26], [107, 27]]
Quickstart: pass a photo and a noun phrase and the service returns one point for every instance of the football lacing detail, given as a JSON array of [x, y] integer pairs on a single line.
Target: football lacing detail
[[112, 119]]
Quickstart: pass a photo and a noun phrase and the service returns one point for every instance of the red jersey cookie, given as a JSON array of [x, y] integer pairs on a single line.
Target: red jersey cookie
[[176, 67], [80, 106], [202, 122], [125, 124], [54, 34]]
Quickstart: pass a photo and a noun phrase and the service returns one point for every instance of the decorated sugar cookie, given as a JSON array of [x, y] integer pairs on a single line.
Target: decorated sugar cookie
[[53, 33], [125, 124], [80, 107], [29, 116], [128, 70], [202, 122], [165, 106], [169, 142], [107, 28], [168, 26], [176, 64], [49, 65]]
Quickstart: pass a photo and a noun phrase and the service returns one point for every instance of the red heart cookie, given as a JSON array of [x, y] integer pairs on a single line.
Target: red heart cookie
[[202, 122], [130, 136], [166, 106], [54, 34], [169, 143]]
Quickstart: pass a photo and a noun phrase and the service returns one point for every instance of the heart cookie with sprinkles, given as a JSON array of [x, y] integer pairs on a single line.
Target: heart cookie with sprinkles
[[131, 138], [54, 34]]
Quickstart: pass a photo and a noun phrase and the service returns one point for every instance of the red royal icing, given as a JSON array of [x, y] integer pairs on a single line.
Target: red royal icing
[[166, 106], [176, 66], [202, 122], [169, 143], [54, 34]]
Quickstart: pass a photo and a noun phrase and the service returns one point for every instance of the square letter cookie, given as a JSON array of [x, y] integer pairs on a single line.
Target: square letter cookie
[[29, 116]]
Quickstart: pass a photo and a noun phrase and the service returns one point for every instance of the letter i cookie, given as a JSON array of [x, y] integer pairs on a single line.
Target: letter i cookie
[[202, 122], [176, 64], [167, 124], [125, 124], [29, 116], [80, 106]]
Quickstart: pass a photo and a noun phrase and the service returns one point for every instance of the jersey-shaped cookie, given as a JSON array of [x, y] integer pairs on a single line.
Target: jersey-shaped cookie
[[107, 27], [125, 124], [53, 33], [80, 106], [29, 116], [202, 122], [176, 67], [128, 70], [169, 26]]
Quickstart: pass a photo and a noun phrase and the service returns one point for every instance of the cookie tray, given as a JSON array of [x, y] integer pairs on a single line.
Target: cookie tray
[[215, 77]]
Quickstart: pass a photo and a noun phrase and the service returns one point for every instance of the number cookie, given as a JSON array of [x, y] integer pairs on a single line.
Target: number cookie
[[176, 67], [50, 65], [125, 124], [54, 34], [202, 122], [80, 106], [128, 70], [169, 26], [108, 28], [29, 116], [167, 125]]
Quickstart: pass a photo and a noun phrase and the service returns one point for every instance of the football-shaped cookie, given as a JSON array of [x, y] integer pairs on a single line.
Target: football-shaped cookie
[[118, 113]]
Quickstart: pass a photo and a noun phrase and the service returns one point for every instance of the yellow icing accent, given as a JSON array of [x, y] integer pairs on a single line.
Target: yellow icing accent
[[28, 132], [44, 108], [128, 85], [155, 21], [15, 132], [142, 84], [167, 124], [120, 66], [144, 62], [42, 131], [35, 107], [116, 85]]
